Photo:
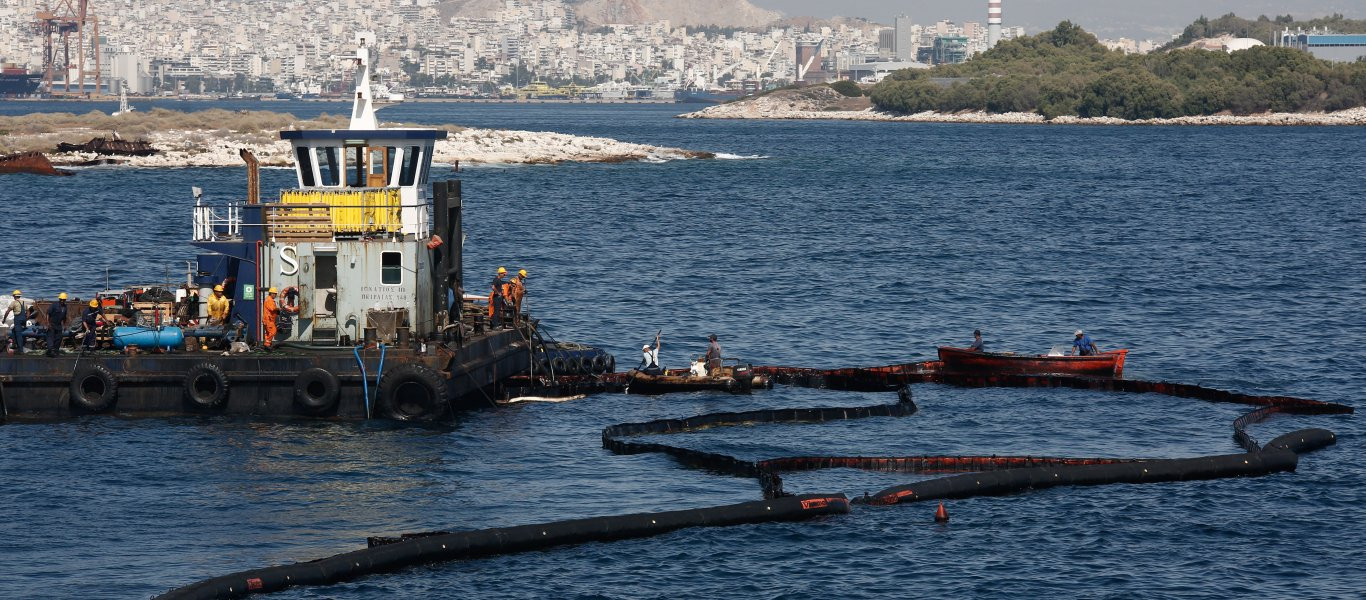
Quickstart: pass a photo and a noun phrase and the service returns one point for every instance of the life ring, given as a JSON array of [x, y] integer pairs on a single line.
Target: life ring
[[94, 388], [316, 391], [413, 392], [285, 305], [206, 385]]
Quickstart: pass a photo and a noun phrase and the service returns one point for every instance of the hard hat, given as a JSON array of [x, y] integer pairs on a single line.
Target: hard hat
[[645, 347], [272, 290], [61, 296], [94, 303], [16, 293], [218, 288], [1077, 332], [502, 271], [522, 272]]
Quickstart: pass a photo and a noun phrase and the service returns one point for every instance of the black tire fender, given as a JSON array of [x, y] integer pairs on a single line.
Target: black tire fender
[[94, 388], [316, 391], [611, 364], [413, 392], [206, 385], [558, 365]]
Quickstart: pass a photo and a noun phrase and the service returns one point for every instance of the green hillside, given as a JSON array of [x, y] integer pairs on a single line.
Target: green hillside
[[1067, 72]]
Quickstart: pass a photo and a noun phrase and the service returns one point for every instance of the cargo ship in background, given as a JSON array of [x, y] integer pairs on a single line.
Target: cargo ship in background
[[18, 82], [367, 316]]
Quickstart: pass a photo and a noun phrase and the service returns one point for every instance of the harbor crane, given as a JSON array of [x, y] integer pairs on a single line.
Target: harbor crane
[[61, 19]]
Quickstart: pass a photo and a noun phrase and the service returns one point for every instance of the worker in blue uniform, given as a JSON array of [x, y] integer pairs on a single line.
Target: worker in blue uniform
[[89, 322], [56, 324], [1082, 344]]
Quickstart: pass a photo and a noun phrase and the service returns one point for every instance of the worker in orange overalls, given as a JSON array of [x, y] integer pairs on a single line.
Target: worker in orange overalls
[[270, 314], [516, 290]]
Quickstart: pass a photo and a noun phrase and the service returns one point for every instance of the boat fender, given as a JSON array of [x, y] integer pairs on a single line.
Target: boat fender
[[94, 388], [206, 385], [574, 364], [599, 364], [413, 392], [611, 364], [289, 300], [316, 391], [543, 366], [558, 365]]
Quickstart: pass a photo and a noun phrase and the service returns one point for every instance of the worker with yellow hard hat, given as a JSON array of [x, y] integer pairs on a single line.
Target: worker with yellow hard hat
[[517, 290], [19, 308], [89, 323], [218, 306], [498, 298], [56, 325], [270, 315]]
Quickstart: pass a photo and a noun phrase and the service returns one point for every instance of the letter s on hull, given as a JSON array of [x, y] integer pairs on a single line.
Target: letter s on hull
[[289, 256]]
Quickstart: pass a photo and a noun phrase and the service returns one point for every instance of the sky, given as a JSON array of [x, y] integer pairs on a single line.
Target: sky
[[1137, 19]]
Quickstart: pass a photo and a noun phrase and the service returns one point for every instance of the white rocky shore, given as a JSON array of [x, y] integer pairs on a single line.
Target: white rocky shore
[[778, 106], [467, 146]]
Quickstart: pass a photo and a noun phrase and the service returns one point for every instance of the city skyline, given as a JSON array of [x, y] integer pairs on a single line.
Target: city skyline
[[1145, 19]]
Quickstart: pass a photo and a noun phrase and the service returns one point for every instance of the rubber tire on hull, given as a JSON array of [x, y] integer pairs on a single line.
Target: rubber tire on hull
[[94, 388], [316, 391], [599, 364], [611, 364], [206, 385], [413, 392]]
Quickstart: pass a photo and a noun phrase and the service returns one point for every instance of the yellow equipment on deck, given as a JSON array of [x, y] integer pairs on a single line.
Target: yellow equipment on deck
[[345, 211]]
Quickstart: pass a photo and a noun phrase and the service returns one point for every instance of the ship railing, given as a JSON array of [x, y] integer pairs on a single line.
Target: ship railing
[[355, 211], [324, 215], [210, 226]]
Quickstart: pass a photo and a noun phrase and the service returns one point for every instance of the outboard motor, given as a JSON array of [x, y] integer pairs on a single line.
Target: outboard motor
[[744, 379]]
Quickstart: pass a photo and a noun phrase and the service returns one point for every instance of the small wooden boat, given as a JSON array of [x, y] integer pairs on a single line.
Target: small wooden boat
[[962, 360], [682, 381]]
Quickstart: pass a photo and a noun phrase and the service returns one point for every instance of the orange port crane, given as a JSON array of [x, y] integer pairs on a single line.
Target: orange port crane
[[61, 19]]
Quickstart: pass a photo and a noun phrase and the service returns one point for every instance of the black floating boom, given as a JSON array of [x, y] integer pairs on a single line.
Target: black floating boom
[[427, 548]]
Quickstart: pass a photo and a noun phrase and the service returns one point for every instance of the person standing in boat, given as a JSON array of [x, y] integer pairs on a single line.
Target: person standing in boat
[[19, 309], [977, 345], [270, 315], [649, 359], [713, 356], [516, 290], [1082, 345], [218, 307], [498, 299], [56, 323], [89, 323]]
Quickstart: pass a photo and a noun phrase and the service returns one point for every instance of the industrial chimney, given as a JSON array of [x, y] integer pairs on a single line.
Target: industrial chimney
[[993, 22]]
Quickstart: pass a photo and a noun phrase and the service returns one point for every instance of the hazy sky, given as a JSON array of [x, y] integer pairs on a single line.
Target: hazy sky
[[1106, 18]]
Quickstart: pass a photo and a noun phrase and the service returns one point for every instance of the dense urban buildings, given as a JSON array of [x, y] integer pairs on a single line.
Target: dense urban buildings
[[161, 46]]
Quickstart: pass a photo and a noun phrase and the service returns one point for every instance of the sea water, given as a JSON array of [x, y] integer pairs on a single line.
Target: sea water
[[1233, 257]]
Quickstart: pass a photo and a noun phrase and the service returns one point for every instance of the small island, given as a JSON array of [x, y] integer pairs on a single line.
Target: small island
[[212, 138], [1066, 76]]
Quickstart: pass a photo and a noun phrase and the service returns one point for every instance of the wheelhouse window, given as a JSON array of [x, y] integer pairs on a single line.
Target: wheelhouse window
[[355, 166], [305, 166], [412, 158], [391, 268], [329, 169]]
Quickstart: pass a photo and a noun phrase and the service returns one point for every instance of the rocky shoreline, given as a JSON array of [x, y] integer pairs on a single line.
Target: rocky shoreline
[[796, 106], [467, 147]]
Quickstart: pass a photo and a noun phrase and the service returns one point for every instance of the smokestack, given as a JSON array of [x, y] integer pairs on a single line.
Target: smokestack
[[993, 22]]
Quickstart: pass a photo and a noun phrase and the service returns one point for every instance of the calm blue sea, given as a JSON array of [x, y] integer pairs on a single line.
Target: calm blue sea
[[1229, 257]]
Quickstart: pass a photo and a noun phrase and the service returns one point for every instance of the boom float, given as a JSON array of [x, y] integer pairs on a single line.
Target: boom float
[[969, 475]]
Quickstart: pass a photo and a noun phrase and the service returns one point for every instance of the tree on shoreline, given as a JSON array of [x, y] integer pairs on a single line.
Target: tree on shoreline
[[1066, 71]]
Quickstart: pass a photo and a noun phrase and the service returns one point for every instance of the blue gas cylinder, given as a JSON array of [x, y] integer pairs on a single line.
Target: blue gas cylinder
[[149, 337]]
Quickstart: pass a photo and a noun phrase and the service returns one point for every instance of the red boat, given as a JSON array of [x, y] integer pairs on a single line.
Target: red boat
[[962, 360]]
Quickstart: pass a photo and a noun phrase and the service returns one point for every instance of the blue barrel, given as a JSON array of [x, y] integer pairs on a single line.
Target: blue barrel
[[149, 337]]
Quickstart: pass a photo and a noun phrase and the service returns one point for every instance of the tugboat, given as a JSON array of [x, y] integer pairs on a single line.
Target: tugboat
[[364, 269]]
